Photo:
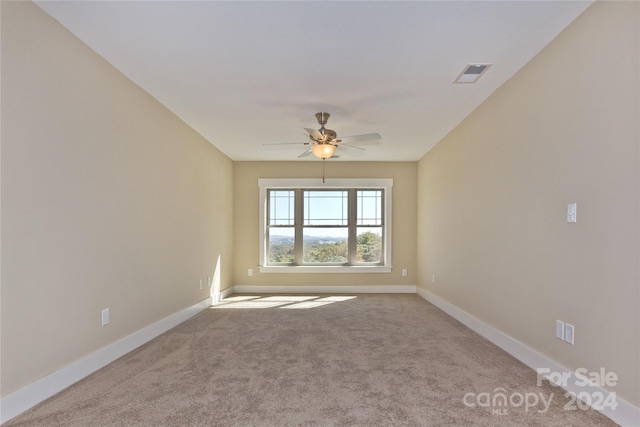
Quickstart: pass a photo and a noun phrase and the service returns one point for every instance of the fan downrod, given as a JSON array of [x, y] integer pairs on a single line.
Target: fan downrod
[[328, 134], [323, 118]]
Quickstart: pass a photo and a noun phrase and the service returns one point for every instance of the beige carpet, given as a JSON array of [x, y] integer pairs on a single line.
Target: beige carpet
[[360, 360]]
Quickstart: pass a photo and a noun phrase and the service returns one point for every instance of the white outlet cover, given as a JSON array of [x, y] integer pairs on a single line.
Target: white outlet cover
[[560, 329], [569, 332]]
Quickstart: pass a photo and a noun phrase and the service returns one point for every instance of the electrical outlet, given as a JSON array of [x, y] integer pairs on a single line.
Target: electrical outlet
[[200, 283], [105, 316], [569, 333], [433, 278], [404, 271], [209, 281], [250, 272], [560, 329]]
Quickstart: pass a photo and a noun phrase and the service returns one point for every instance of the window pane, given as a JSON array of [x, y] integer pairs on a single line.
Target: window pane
[[281, 244], [369, 244], [325, 245], [369, 210], [326, 207], [281, 207]]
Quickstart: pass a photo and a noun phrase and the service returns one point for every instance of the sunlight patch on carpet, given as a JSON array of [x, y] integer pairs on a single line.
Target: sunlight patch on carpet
[[280, 301], [308, 304]]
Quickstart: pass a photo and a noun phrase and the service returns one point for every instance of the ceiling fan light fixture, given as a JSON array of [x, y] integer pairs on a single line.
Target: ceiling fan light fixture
[[323, 151]]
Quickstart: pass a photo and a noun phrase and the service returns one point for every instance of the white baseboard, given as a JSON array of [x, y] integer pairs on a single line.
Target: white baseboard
[[216, 297], [625, 414], [19, 401], [28, 396], [374, 289], [227, 292]]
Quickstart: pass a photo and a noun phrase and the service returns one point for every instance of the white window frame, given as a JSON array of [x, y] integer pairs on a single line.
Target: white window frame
[[330, 183]]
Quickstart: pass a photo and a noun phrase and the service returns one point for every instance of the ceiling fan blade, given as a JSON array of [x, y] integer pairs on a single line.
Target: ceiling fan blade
[[283, 145], [350, 150], [364, 139], [350, 147], [306, 153], [315, 133]]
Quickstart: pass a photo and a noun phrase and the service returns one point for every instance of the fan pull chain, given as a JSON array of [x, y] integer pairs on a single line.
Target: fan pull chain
[[323, 170]]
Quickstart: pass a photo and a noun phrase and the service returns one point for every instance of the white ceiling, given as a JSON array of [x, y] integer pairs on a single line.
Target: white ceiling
[[247, 73]]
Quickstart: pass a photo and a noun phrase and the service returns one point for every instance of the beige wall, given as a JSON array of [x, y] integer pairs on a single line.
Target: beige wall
[[108, 201], [246, 232], [493, 197]]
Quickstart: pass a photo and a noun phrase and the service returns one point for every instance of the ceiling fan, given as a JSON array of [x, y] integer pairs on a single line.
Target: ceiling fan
[[324, 142]]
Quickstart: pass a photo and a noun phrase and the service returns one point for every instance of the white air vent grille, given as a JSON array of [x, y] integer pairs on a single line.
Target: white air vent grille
[[472, 73]]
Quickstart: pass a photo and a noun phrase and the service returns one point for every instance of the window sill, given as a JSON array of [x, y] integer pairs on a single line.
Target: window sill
[[325, 269]]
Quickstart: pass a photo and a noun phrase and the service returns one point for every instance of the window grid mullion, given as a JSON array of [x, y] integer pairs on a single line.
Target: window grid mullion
[[352, 221], [298, 220]]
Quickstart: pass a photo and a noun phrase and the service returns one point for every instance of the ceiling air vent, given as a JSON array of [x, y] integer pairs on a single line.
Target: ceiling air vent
[[472, 73]]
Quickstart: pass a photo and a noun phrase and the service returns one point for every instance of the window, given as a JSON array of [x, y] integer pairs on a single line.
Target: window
[[325, 226], [339, 226]]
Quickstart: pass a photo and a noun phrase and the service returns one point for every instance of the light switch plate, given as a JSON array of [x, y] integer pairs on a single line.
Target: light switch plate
[[571, 212], [560, 329], [105, 316]]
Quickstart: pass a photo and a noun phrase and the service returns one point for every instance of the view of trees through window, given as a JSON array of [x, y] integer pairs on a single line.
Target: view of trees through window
[[327, 250], [329, 217]]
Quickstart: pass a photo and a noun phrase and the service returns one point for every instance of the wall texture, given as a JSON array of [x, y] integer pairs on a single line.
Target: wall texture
[[246, 233], [493, 195], [108, 201]]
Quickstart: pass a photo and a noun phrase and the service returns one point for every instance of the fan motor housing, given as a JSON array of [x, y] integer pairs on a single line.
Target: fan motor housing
[[330, 134]]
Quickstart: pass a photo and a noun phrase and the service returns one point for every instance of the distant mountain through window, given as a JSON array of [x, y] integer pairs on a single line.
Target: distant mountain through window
[[281, 240]]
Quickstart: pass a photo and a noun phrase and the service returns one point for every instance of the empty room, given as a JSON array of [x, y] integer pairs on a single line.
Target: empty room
[[366, 213]]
